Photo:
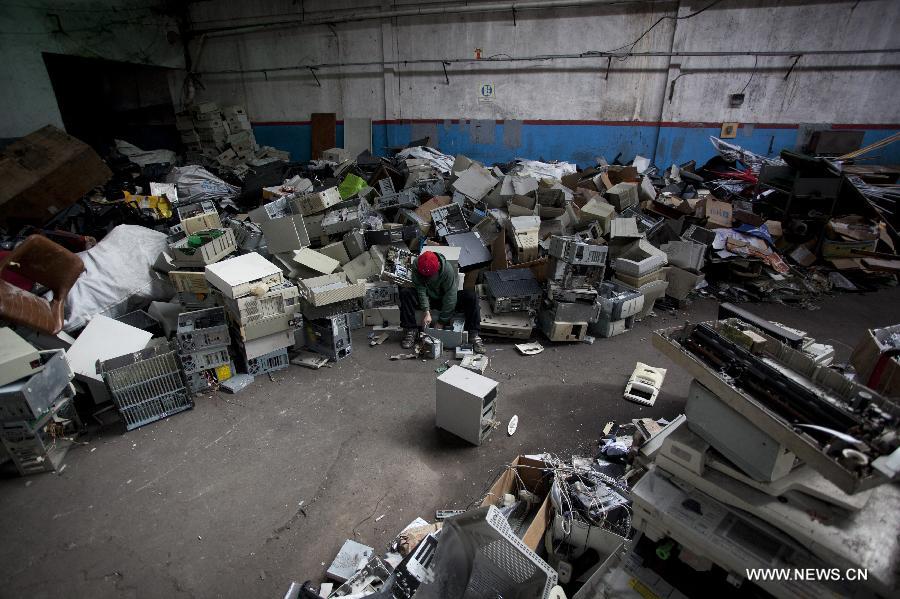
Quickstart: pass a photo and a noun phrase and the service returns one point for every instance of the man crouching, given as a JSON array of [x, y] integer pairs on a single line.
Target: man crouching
[[436, 285]]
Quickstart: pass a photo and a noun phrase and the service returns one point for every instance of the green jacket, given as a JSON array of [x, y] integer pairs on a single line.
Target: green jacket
[[439, 290]]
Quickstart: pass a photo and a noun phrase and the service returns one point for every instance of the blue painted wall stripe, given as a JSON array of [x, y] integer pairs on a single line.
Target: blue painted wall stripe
[[580, 142]]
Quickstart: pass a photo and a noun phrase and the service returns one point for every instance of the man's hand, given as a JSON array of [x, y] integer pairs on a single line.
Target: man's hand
[[426, 320]]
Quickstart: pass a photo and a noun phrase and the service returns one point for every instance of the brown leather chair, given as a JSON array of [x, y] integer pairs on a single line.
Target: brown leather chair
[[49, 264]]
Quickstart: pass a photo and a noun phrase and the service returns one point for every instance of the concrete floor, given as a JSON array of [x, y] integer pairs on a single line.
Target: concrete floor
[[207, 503]]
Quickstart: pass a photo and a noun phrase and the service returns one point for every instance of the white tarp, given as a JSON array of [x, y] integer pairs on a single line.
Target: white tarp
[[435, 158], [145, 157], [195, 184], [737, 153], [543, 170], [118, 276]]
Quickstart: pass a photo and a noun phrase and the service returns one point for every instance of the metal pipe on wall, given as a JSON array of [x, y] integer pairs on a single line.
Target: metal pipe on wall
[[418, 11], [545, 57]]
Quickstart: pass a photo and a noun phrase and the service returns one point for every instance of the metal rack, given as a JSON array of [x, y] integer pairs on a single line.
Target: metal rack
[[147, 386]]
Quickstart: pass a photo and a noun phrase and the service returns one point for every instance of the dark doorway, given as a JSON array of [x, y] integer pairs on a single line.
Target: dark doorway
[[102, 100]]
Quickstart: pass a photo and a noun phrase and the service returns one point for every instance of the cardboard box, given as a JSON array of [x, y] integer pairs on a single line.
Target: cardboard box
[[718, 214], [45, 172], [424, 211], [834, 248], [527, 472], [500, 261]]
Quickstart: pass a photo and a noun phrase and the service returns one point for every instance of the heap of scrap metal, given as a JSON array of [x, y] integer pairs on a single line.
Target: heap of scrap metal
[[779, 463]]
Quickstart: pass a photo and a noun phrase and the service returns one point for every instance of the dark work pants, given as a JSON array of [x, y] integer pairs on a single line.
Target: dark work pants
[[466, 302]]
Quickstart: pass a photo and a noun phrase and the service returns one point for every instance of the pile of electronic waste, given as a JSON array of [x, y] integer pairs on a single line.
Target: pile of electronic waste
[[540, 531], [473, 554], [234, 277], [779, 465]]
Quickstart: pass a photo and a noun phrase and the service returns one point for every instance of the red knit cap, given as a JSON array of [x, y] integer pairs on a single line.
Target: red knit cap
[[428, 264]]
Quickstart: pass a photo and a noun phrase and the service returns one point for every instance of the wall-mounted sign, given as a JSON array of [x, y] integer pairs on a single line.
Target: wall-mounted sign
[[487, 92]]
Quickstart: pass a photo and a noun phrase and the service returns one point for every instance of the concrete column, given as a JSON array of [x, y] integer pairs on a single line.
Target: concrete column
[[391, 76]]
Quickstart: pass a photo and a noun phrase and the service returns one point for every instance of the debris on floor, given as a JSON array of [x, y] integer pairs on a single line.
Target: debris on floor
[[644, 384], [529, 349], [139, 285], [674, 488], [310, 252]]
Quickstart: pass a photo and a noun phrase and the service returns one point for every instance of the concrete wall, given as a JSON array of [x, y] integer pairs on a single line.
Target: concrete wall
[[111, 29], [566, 109]]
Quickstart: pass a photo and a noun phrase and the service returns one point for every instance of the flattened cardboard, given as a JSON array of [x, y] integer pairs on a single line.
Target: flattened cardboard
[[44, 173]]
